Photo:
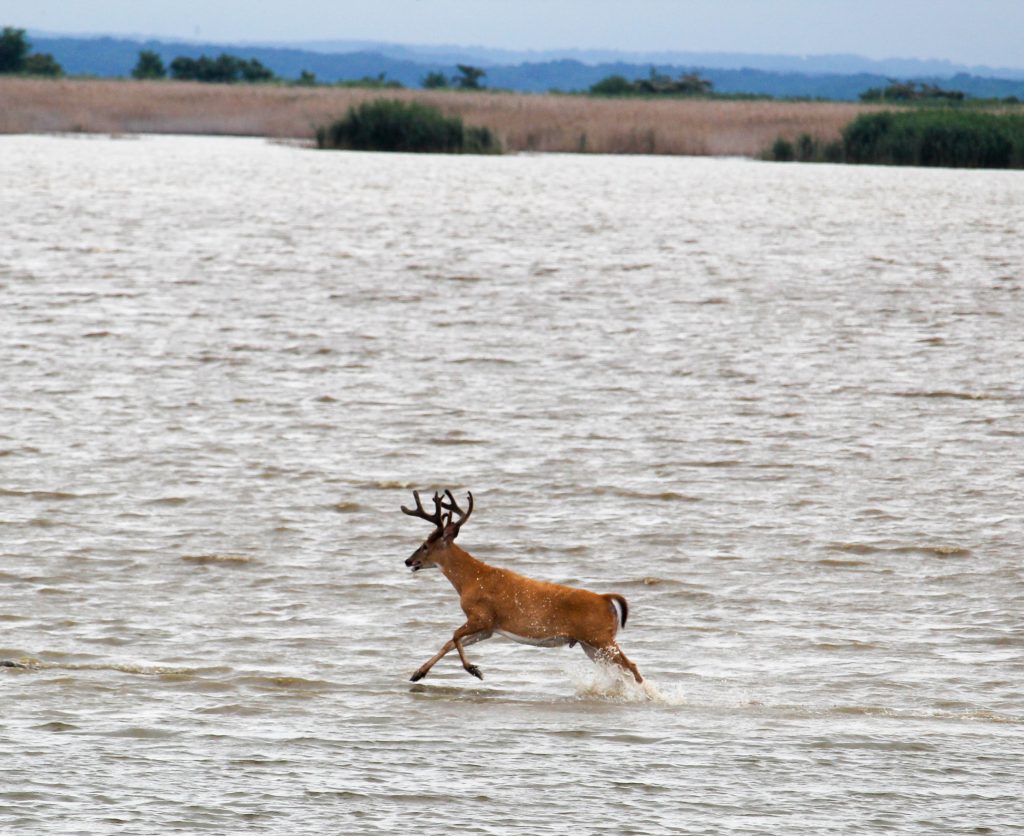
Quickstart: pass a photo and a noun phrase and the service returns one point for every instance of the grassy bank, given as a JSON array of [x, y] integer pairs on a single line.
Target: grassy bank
[[949, 138], [933, 137], [520, 122]]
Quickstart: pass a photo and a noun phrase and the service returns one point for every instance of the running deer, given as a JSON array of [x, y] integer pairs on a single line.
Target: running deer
[[511, 605]]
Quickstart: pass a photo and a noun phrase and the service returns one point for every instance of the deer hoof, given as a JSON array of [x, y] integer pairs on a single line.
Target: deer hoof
[[473, 669], [416, 677]]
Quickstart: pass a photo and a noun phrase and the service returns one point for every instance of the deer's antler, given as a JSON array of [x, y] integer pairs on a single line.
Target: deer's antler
[[453, 508], [437, 518]]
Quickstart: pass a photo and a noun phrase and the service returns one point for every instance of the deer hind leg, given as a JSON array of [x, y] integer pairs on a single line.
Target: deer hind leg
[[612, 653], [461, 638]]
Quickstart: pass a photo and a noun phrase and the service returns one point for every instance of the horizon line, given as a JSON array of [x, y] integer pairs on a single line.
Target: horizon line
[[299, 44]]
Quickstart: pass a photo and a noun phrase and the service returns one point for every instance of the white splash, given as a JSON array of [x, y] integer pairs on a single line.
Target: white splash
[[604, 681]]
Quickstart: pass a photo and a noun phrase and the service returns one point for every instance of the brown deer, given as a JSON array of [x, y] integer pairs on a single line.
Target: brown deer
[[520, 608]]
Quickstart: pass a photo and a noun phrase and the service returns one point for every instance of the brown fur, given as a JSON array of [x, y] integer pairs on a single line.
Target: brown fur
[[496, 599]]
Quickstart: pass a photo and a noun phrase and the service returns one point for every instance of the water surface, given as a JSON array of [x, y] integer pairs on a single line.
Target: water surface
[[780, 408]]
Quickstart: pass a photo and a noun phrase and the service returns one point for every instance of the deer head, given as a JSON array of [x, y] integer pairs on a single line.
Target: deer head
[[446, 528]]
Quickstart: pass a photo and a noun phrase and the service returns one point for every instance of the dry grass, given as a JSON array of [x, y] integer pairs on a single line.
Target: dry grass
[[523, 122]]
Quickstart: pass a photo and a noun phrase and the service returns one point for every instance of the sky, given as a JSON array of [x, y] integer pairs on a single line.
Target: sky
[[976, 32]]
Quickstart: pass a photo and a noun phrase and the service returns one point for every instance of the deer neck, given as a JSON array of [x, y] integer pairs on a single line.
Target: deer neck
[[460, 567]]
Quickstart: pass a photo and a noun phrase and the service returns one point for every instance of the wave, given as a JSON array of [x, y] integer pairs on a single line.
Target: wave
[[913, 548], [953, 395], [282, 682], [221, 559], [30, 663], [658, 496], [217, 677], [836, 563], [386, 485], [40, 495]]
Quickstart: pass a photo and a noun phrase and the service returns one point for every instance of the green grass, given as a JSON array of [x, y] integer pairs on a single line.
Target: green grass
[[947, 137], [392, 125], [806, 149], [951, 137]]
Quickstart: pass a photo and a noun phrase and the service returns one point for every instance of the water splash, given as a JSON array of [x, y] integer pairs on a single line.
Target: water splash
[[604, 681]]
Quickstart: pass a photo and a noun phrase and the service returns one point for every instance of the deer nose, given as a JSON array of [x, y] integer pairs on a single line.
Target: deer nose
[[408, 561]]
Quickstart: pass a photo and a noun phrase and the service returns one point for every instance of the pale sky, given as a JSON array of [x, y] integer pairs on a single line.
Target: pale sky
[[989, 32]]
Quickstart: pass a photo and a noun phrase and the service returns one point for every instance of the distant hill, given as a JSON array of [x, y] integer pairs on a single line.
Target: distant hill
[[112, 57], [107, 56], [834, 64]]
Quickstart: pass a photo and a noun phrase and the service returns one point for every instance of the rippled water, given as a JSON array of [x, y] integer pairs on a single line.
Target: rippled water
[[780, 408]]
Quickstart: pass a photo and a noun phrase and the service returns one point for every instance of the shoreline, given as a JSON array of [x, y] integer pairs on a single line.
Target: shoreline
[[524, 122]]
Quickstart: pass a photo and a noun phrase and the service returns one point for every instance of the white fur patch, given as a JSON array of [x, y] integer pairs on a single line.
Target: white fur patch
[[618, 612], [555, 641]]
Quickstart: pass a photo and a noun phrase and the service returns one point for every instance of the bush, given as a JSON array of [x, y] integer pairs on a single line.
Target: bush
[[391, 125], [469, 77], [613, 85], [43, 63], [13, 49], [479, 140], [656, 84], [958, 139], [15, 57], [253, 71], [149, 65], [377, 82], [910, 91], [224, 69], [807, 149], [435, 81], [782, 151]]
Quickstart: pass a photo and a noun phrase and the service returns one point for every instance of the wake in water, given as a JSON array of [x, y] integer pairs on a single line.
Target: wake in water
[[601, 681], [604, 681]]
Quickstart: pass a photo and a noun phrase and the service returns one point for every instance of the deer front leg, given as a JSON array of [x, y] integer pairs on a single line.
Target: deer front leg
[[466, 634], [426, 666], [469, 635]]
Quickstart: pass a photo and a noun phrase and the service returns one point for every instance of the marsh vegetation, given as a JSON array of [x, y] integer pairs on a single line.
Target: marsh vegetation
[[942, 137], [522, 122], [394, 125]]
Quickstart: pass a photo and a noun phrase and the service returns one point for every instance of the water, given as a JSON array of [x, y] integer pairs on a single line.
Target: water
[[780, 408]]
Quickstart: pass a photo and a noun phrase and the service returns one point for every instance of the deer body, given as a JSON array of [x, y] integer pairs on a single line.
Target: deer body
[[500, 601]]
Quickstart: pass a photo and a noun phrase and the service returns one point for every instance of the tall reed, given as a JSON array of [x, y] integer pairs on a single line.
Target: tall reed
[[564, 123]]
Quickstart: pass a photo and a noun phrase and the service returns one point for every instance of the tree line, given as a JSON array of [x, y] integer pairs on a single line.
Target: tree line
[[224, 69], [909, 91], [656, 84], [16, 56], [227, 69]]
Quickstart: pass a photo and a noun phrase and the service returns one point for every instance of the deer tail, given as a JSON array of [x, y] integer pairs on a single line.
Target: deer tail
[[620, 605]]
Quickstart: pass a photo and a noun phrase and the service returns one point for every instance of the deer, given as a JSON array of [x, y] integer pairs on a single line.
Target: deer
[[497, 600]]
